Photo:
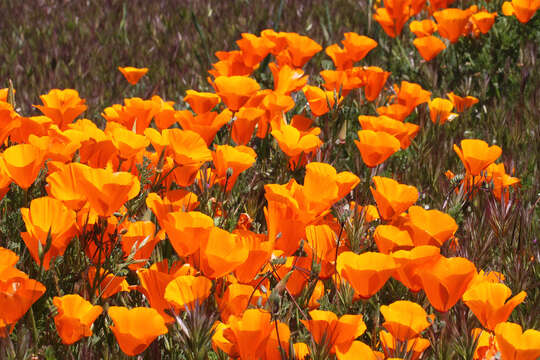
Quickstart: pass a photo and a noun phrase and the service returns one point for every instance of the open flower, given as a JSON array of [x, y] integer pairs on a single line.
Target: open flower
[[404, 319], [477, 155], [133, 74], [75, 317], [515, 344], [392, 198], [62, 106]]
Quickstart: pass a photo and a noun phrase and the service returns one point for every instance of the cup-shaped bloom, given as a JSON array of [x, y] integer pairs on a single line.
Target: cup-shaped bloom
[[48, 220], [110, 284], [354, 350], [404, 319], [136, 328], [260, 251], [487, 301], [75, 317], [429, 47], [423, 28], [153, 282], [127, 143], [249, 333], [186, 230], [175, 200], [187, 291], [140, 239], [483, 21], [221, 253], [329, 331], [287, 79], [17, 294], [477, 155], [440, 110], [410, 262], [22, 163], [515, 344], [320, 101], [188, 147], [451, 22], [64, 185], [106, 190], [445, 281], [523, 10], [392, 346], [299, 49], [367, 272], [62, 106], [358, 46], [392, 198], [462, 103], [238, 159], [374, 80], [244, 125], [430, 227], [206, 125], [376, 146], [236, 299], [235, 91], [390, 238], [201, 102], [132, 74], [293, 142]]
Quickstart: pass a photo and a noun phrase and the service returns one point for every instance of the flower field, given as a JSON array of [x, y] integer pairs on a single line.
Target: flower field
[[270, 180]]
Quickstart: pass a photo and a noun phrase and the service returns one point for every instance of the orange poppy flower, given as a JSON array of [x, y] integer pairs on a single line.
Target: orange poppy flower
[[207, 124], [9, 120], [340, 57], [395, 111], [201, 102], [164, 113], [393, 16], [515, 344], [188, 147], [135, 329], [496, 174], [244, 124], [153, 282], [298, 51], [294, 274], [486, 347], [477, 155], [287, 79], [135, 115], [259, 253], [367, 272], [254, 48], [221, 253], [329, 331], [236, 299], [446, 280], [411, 95], [75, 317], [22, 163], [139, 241], [451, 23], [293, 142], [374, 80], [127, 143], [320, 101], [390, 238], [133, 74], [238, 159], [430, 227], [405, 320], [277, 340], [186, 230], [235, 91], [175, 200], [423, 28], [17, 294], [523, 10], [392, 198], [186, 292], [355, 349], [106, 190], [47, 221], [109, 285], [487, 301], [62, 106], [357, 46], [410, 262], [376, 146], [64, 185], [231, 63], [429, 47], [462, 103], [483, 21], [391, 346], [440, 110], [404, 132]]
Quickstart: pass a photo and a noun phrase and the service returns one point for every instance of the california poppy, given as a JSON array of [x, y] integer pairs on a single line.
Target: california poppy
[[244, 124], [411, 95], [483, 21], [320, 101], [206, 124], [135, 329], [187, 291], [139, 241], [357, 46], [446, 280], [515, 344], [367, 272], [440, 111], [354, 349], [237, 298], [186, 230], [299, 49], [133, 74], [374, 80], [392, 198], [405, 320], [75, 317], [22, 163], [287, 79], [429, 47], [451, 22], [231, 63], [391, 346], [390, 238], [235, 91], [260, 250], [430, 227], [17, 294], [477, 155], [462, 103], [201, 102], [487, 301], [237, 159], [410, 263], [523, 10], [62, 106], [110, 283], [221, 253], [423, 28], [376, 146], [293, 142]]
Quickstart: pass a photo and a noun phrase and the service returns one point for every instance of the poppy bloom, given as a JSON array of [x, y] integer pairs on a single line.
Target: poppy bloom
[[487, 301], [411, 95], [244, 124], [139, 241], [483, 21], [287, 79], [391, 346], [110, 284], [293, 142], [357, 46], [393, 16], [320, 101], [446, 280], [367, 272], [329, 331], [374, 80], [477, 155], [201, 102], [423, 28], [48, 221], [133, 74], [462, 103], [62, 106], [390, 238], [206, 124], [392, 198], [236, 299], [22, 163], [404, 319], [235, 91], [221, 253], [440, 110], [260, 250], [376, 146], [186, 230], [237, 159], [75, 317], [430, 227], [187, 291], [429, 47], [135, 329], [254, 48], [515, 344], [523, 10], [17, 294], [298, 51], [451, 23], [352, 351], [410, 262]]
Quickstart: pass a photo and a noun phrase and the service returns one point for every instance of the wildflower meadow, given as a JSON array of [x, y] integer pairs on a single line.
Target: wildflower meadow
[[270, 179]]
